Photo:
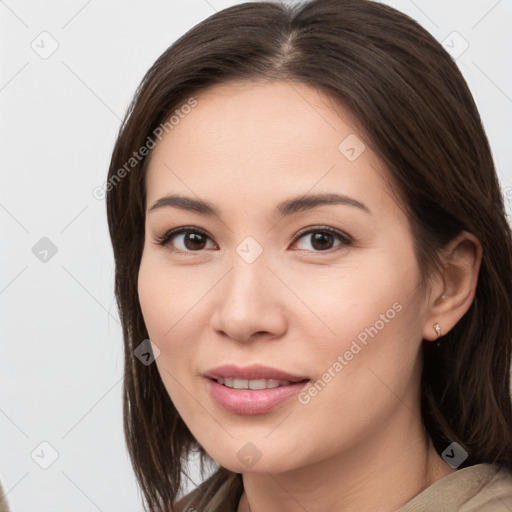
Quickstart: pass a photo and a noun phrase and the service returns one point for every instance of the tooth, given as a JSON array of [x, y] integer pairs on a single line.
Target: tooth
[[257, 384], [240, 383]]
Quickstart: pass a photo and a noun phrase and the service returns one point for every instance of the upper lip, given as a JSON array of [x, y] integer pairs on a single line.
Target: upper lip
[[253, 372]]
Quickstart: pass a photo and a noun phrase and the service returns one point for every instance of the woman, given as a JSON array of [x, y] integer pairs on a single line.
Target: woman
[[308, 226]]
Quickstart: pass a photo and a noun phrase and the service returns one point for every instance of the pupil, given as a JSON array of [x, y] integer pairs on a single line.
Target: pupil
[[320, 239], [194, 238]]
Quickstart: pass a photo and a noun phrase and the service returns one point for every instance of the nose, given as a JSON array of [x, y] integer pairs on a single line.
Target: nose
[[249, 303]]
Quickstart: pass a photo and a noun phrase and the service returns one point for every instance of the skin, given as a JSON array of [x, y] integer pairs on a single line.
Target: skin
[[359, 444]]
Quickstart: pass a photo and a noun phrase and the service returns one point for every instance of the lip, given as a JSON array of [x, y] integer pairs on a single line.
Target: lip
[[252, 401]]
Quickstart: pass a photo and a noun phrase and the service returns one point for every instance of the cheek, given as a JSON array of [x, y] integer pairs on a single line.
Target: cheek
[[174, 302], [366, 376], [371, 333], [168, 297], [164, 305], [356, 299], [164, 309], [376, 361]]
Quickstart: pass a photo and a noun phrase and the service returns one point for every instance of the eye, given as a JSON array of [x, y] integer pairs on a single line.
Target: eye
[[321, 239], [187, 239]]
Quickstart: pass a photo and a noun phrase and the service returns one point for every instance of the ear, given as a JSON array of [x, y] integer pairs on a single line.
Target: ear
[[452, 292]]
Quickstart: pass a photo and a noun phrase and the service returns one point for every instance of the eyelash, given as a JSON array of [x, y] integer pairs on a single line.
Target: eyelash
[[166, 238]]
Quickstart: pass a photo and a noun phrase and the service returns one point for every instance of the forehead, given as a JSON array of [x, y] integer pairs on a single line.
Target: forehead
[[241, 116], [259, 138]]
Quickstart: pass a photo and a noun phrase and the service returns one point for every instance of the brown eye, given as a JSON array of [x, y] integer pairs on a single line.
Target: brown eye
[[184, 240], [322, 239], [194, 241]]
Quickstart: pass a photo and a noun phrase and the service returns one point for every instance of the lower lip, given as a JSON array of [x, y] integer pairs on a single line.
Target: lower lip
[[252, 401]]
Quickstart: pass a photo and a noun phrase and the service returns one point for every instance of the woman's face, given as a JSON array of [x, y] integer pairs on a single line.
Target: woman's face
[[326, 291]]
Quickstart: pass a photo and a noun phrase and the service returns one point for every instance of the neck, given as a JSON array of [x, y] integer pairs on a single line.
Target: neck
[[382, 472]]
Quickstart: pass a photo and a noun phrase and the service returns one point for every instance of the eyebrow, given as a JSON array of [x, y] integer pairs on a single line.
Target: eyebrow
[[285, 208]]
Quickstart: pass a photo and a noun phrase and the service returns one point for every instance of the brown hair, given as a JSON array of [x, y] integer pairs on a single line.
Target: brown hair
[[416, 112]]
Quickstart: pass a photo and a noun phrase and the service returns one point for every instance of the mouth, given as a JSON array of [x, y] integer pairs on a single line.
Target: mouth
[[254, 389], [239, 383], [256, 376]]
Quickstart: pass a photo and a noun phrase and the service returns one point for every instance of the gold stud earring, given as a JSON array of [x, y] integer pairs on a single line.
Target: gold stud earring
[[437, 328]]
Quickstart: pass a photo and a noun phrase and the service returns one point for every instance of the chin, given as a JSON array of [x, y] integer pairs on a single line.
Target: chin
[[250, 460]]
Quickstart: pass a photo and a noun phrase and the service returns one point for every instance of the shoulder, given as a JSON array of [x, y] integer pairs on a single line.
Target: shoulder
[[478, 488], [494, 493], [219, 493]]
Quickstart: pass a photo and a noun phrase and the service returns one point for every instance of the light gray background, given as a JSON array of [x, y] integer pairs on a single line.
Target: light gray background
[[61, 357]]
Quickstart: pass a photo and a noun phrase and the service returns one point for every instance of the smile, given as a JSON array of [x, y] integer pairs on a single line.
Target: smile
[[235, 383]]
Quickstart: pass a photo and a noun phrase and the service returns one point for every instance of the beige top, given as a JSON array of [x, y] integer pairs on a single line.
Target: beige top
[[479, 488]]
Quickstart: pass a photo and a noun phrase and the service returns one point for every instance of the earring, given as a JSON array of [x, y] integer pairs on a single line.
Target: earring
[[437, 328]]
